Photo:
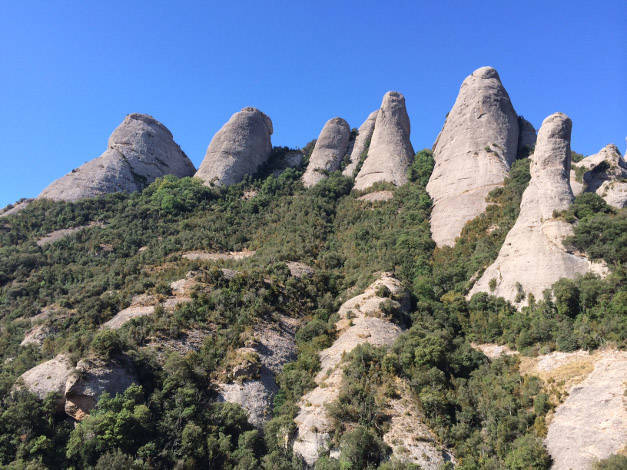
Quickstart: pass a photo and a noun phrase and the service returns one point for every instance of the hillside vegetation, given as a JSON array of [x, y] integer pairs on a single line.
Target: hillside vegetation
[[485, 412]]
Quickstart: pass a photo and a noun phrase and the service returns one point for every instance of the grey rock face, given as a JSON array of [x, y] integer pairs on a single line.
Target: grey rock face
[[473, 153], [238, 149], [526, 136], [140, 150], [533, 256], [390, 152], [591, 424], [361, 145], [48, 377], [328, 152], [92, 379], [605, 173]]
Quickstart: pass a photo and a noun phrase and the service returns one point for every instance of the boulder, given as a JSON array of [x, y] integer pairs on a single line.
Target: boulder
[[604, 173], [48, 377], [533, 257], [390, 153], [140, 150], [328, 152], [361, 145], [238, 149], [473, 153], [92, 378]]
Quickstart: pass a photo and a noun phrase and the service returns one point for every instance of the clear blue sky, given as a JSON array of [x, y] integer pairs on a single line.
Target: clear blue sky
[[71, 71]]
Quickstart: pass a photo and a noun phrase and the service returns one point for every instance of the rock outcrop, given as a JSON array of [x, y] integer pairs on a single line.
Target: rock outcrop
[[361, 321], [238, 149], [533, 257], [361, 145], [91, 379], [390, 153], [604, 173], [329, 151], [473, 153], [273, 346], [48, 377], [140, 150]]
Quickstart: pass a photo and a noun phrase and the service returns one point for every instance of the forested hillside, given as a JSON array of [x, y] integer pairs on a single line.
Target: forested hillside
[[484, 412]]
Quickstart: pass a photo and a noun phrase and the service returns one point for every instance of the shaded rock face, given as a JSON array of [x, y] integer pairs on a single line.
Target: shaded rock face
[[140, 150], [361, 145], [238, 149], [526, 136], [390, 152], [604, 173], [473, 153], [533, 257], [330, 149], [591, 424], [361, 321], [274, 347], [91, 379]]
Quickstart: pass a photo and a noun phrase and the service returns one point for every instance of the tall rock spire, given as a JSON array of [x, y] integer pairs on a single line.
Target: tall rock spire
[[238, 149], [533, 257], [362, 143], [390, 152], [139, 150], [330, 149], [473, 153]]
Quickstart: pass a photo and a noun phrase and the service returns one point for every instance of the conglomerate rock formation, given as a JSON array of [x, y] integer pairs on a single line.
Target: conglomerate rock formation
[[140, 150], [533, 257], [390, 153], [329, 151], [473, 153], [361, 145], [238, 149], [604, 173]]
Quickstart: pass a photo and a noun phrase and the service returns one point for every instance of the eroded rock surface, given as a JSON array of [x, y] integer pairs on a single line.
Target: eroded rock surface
[[533, 257], [228, 255], [473, 153], [604, 173], [361, 145], [390, 153], [361, 321], [91, 379], [591, 424], [330, 149], [238, 149], [140, 150], [377, 196], [274, 346]]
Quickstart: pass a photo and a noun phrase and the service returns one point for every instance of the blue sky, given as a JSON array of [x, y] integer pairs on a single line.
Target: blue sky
[[71, 71]]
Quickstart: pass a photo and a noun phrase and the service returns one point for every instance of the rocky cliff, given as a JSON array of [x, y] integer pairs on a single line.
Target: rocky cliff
[[533, 257], [390, 152], [140, 150], [238, 149], [473, 153], [329, 151]]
